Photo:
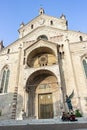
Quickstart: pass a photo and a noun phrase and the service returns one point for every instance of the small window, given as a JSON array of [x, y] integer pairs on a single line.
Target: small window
[[8, 51], [32, 26], [51, 22], [81, 39]]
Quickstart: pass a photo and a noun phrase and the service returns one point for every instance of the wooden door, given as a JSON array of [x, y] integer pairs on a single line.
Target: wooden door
[[45, 106]]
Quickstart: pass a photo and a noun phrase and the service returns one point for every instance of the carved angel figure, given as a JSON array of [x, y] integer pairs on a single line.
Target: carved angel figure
[[68, 101]]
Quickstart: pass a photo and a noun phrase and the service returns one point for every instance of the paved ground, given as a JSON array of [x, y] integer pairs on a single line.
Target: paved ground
[[73, 126]]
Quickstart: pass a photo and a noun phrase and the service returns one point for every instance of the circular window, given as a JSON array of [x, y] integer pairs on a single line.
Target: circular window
[[43, 60]]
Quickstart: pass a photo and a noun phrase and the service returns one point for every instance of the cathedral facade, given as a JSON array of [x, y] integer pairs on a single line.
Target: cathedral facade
[[47, 62]]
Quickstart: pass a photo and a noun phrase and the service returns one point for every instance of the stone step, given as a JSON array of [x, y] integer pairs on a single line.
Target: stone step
[[39, 121]]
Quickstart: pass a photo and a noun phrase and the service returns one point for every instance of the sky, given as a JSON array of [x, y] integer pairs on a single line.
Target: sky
[[14, 12]]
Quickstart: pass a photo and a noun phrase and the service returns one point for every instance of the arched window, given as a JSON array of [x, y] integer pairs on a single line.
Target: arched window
[[32, 26], [4, 80], [8, 51], [81, 38], [44, 37], [85, 66], [51, 22]]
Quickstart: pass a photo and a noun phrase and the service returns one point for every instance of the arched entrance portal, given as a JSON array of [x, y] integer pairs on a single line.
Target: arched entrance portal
[[42, 89]]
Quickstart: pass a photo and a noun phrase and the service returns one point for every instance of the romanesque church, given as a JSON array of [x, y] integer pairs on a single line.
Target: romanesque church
[[47, 62]]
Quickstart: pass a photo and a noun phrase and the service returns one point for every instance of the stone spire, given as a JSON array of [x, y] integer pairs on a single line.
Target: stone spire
[[22, 24], [1, 45], [41, 11], [63, 16]]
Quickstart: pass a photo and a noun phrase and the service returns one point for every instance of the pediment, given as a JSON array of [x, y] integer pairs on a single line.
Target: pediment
[[41, 44], [39, 21]]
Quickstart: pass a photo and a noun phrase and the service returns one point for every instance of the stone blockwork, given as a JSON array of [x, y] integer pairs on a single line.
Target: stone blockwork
[[6, 105]]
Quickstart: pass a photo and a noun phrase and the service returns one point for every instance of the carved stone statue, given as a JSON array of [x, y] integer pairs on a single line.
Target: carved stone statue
[[68, 101]]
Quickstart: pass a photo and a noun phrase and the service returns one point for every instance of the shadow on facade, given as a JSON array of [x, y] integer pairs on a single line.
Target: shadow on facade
[[6, 101]]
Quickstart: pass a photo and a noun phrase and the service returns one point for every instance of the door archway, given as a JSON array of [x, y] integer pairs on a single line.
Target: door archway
[[41, 87]]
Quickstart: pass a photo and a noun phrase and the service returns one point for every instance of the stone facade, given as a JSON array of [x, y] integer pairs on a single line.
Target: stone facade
[[39, 69]]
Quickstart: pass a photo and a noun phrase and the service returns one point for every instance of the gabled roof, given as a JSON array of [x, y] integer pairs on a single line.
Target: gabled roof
[[45, 16]]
